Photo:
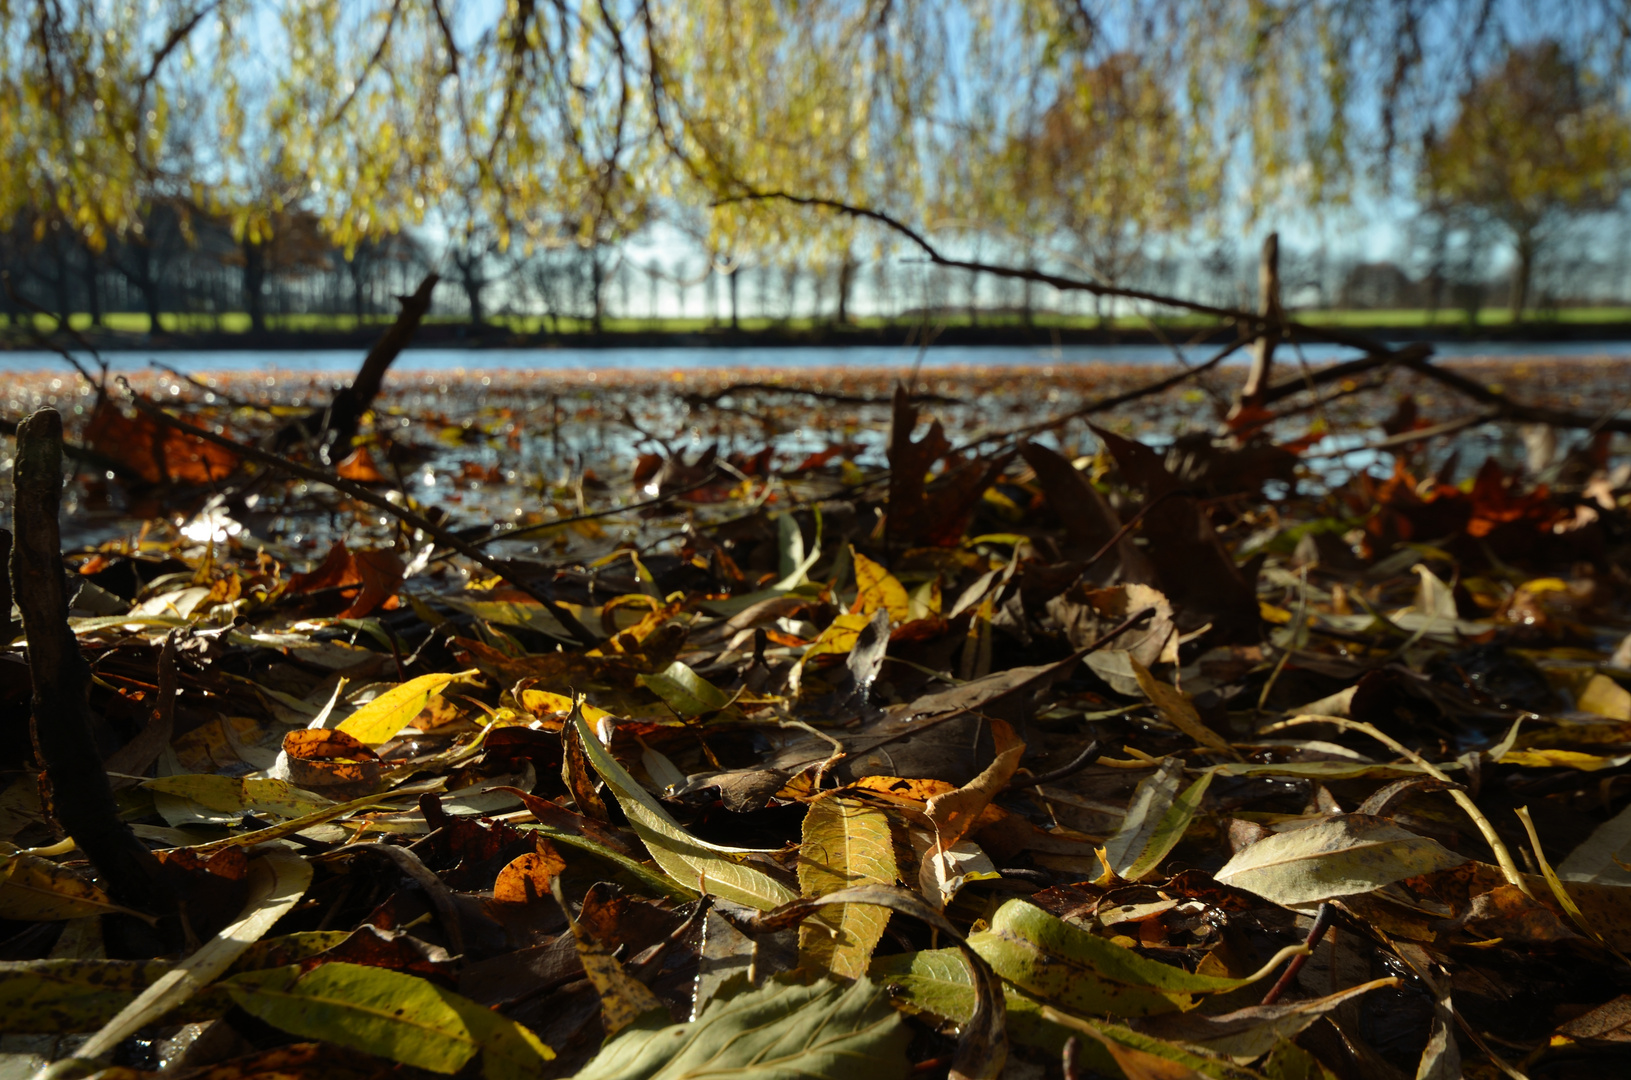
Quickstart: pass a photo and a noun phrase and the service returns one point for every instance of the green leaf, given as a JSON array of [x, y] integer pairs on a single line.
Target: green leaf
[[510, 613], [939, 982], [845, 843], [779, 1031], [1156, 820], [1341, 856], [380, 719], [702, 867], [686, 692], [391, 1015], [1067, 966]]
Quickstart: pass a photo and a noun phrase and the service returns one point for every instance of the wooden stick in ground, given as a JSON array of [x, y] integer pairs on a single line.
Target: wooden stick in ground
[[345, 412], [81, 796], [445, 537], [1268, 305]]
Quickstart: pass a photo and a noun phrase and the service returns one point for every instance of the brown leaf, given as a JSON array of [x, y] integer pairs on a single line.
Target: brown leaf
[[368, 578]]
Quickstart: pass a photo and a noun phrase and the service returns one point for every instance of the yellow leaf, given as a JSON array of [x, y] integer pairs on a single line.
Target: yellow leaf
[[38, 890], [380, 719], [845, 843], [232, 794], [1605, 697], [877, 588], [1177, 710]]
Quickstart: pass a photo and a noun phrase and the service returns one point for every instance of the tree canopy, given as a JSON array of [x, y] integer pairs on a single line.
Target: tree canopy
[[572, 122], [1534, 142]]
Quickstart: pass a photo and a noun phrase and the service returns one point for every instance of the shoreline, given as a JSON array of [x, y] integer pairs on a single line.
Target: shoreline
[[463, 337]]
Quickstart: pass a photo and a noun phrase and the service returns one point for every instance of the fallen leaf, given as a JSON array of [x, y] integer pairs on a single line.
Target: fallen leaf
[[845, 843], [1339, 856]]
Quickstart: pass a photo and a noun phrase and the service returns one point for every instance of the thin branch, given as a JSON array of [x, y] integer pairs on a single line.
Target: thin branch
[[373, 62]]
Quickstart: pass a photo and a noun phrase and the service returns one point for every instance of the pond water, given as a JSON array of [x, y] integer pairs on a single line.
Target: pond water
[[697, 358]]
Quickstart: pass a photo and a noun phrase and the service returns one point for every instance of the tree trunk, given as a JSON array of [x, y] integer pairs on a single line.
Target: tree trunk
[[846, 277], [473, 286], [1268, 306], [735, 322], [1522, 274], [93, 286], [254, 282], [356, 291], [597, 284]]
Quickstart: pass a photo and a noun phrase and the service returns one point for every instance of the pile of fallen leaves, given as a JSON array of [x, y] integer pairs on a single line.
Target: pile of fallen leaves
[[936, 763]]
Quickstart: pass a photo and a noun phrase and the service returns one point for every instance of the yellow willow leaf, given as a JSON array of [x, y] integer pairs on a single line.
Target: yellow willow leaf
[[1177, 710], [845, 843], [232, 794], [389, 713], [392, 1015], [877, 588], [38, 890], [1555, 883], [277, 882], [710, 868]]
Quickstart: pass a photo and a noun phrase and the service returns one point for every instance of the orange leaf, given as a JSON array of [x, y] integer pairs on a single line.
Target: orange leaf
[[156, 453], [527, 877], [360, 467]]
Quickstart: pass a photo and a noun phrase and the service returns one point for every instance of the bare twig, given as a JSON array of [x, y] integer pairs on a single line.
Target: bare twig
[[1316, 933]]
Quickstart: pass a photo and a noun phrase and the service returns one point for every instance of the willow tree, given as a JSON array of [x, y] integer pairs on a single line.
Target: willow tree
[[1109, 163], [1536, 143], [573, 122]]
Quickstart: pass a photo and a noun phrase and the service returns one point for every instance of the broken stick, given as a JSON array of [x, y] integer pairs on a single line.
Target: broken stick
[[81, 796]]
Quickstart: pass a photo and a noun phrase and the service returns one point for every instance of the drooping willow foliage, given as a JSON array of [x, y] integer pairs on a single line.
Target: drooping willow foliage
[[560, 121]]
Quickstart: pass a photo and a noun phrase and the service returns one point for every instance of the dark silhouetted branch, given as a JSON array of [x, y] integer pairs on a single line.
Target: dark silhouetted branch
[[81, 796]]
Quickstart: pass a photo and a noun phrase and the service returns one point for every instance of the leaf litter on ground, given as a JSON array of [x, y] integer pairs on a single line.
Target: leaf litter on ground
[[887, 751]]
